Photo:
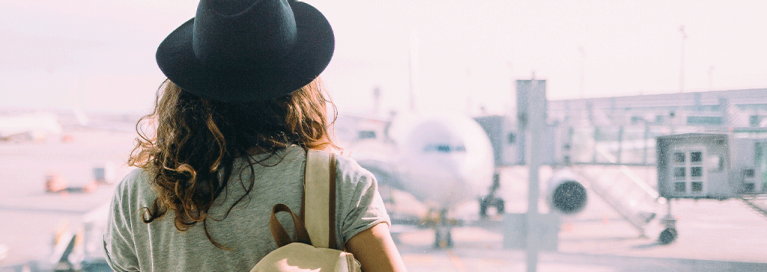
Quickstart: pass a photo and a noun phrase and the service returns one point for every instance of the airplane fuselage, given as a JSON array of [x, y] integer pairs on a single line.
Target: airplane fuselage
[[444, 159]]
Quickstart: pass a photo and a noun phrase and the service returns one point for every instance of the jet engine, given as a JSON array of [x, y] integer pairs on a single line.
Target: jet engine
[[566, 193]]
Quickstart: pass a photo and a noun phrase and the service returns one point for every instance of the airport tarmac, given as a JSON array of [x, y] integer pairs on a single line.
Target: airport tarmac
[[30, 215], [713, 235]]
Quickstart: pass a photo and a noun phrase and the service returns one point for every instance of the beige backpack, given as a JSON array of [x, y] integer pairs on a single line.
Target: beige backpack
[[315, 248]]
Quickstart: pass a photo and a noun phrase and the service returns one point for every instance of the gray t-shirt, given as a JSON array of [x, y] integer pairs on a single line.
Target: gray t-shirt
[[132, 245]]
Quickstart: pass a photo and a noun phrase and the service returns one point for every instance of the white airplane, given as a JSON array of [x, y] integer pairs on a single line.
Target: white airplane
[[441, 160], [29, 126]]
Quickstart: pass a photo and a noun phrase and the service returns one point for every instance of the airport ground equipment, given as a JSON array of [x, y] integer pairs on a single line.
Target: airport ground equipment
[[619, 132], [757, 203], [709, 166], [105, 173], [82, 250], [621, 189]]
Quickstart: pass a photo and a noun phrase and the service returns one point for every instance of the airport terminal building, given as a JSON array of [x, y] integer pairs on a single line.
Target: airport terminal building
[[733, 108]]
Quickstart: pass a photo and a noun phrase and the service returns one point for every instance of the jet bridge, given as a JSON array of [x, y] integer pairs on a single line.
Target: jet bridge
[[711, 166]]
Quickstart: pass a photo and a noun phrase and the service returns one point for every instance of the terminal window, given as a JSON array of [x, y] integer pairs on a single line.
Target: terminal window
[[704, 120]]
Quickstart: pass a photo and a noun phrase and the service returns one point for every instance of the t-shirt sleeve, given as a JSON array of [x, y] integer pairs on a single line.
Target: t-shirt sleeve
[[362, 205], [119, 245]]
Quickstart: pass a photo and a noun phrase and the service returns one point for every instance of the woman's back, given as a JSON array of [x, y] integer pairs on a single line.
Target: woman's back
[[246, 229], [243, 79]]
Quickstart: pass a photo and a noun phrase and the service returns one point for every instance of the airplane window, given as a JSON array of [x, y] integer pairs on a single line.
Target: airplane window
[[367, 134], [444, 148]]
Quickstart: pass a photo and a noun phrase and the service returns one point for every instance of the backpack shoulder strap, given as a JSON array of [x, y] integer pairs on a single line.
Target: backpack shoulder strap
[[320, 197]]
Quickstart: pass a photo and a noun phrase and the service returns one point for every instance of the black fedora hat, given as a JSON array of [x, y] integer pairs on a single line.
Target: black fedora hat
[[246, 50]]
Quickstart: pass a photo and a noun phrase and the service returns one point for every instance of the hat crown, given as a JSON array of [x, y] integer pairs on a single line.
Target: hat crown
[[247, 50], [221, 36]]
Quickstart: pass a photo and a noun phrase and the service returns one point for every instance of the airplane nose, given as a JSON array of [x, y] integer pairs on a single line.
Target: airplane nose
[[461, 175], [453, 167]]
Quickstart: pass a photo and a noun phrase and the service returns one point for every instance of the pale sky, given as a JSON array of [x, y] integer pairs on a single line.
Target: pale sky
[[99, 54]]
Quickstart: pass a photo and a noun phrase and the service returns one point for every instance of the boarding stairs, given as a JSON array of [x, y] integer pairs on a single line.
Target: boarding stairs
[[758, 203], [622, 189]]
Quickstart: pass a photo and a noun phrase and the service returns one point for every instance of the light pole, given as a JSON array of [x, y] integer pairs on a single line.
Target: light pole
[[678, 112], [710, 77], [583, 71], [681, 67]]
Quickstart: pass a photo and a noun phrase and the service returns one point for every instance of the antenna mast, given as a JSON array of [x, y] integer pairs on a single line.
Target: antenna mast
[[413, 67]]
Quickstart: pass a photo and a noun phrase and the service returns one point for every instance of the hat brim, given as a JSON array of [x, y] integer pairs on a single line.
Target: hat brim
[[310, 56]]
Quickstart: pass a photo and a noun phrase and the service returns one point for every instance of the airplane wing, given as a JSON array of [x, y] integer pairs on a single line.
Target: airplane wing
[[380, 158], [35, 125]]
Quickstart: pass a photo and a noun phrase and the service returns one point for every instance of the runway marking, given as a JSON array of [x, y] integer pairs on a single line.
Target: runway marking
[[456, 261]]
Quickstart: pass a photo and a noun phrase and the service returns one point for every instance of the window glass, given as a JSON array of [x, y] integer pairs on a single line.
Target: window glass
[[366, 134], [696, 157], [679, 173], [749, 173], [696, 186], [715, 163], [443, 148], [696, 172], [679, 157], [680, 187]]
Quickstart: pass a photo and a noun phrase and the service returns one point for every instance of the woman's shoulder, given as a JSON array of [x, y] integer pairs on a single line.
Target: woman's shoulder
[[134, 177], [349, 172], [134, 184]]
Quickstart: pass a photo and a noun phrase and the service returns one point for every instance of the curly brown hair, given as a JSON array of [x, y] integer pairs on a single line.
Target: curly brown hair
[[195, 140]]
